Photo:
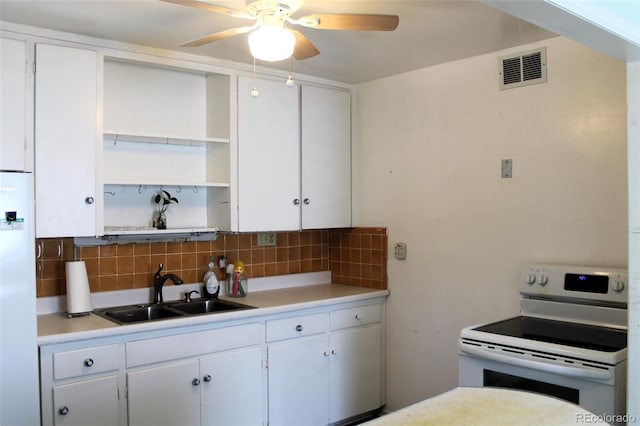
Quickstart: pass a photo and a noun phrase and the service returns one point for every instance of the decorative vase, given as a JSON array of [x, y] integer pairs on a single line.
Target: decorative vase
[[161, 220]]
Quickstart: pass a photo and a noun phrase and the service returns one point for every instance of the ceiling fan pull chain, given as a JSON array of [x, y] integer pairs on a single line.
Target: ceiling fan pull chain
[[254, 90], [289, 79]]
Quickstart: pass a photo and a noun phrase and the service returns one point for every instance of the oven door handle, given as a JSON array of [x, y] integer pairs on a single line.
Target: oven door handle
[[537, 365]]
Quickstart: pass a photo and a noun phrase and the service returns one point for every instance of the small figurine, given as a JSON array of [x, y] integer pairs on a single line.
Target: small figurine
[[236, 280]]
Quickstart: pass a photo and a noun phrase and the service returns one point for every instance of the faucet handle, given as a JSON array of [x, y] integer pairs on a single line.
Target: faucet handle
[[187, 295]]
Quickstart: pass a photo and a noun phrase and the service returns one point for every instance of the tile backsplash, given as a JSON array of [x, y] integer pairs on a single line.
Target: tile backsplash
[[355, 256]]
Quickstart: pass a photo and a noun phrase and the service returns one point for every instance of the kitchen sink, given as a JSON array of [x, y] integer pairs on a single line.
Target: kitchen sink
[[143, 313], [138, 313], [206, 306]]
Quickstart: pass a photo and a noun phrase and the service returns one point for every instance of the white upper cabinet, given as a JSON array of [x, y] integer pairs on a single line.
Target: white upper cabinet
[[326, 158], [165, 128], [268, 156], [13, 138], [294, 156], [66, 105]]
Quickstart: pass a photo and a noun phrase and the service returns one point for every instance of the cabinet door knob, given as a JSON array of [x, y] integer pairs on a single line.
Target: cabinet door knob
[[333, 352], [195, 382], [307, 201], [358, 316], [88, 362], [299, 327], [326, 353], [89, 200], [64, 410], [207, 378], [296, 201]]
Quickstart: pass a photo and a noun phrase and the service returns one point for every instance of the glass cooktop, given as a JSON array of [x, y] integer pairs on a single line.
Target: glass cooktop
[[584, 336]]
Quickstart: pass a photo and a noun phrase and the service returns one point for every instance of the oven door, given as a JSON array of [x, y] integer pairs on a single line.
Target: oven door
[[601, 392]]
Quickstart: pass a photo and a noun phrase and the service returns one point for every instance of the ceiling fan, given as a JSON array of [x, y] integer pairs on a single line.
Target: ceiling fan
[[271, 39]]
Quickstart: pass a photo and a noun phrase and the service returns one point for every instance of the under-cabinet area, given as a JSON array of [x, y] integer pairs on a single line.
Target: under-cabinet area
[[318, 362]]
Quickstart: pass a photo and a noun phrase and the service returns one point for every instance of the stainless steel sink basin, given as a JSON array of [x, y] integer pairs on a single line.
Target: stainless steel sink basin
[[138, 313], [142, 313], [206, 306]]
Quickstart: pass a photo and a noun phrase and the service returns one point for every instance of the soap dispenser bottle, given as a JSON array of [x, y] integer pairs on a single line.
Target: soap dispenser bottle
[[210, 285]]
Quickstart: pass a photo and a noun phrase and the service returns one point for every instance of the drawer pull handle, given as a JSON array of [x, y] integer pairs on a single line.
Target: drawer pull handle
[[88, 362], [63, 411], [298, 327], [207, 378], [358, 316], [195, 382]]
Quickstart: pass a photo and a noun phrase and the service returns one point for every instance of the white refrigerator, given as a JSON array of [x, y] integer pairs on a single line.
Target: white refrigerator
[[19, 386]]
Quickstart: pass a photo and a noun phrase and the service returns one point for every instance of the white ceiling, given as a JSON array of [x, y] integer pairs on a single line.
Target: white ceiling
[[430, 31]]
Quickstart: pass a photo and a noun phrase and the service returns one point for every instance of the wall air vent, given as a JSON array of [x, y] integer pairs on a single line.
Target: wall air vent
[[523, 69]]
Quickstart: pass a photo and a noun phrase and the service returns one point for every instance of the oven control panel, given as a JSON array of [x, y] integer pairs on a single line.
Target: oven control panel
[[608, 285]]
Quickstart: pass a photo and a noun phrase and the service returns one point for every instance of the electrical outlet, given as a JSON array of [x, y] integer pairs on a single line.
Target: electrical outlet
[[266, 239], [400, 251]]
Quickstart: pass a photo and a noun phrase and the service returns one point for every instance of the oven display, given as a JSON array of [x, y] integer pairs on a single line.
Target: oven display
[[586, 283]]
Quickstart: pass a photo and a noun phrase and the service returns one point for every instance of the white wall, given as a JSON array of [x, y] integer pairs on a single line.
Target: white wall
[[633, 111], [427, 165]]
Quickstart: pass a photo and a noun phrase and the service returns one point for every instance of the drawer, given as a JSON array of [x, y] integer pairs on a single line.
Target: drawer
[[354, 317], [86, 361], [168, 348], [289, 328]]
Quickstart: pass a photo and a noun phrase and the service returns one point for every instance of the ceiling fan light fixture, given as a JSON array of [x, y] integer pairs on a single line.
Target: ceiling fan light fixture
[[271, 43]]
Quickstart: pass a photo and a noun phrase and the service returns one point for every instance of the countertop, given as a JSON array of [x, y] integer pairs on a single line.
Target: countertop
[[57, 328], [490, 407]]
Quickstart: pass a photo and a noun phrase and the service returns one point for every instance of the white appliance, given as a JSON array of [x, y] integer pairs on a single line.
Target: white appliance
[[570, 340], [19, 385]]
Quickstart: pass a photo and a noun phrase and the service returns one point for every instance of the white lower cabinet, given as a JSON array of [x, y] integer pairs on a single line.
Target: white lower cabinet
[[324, 365], [82, 384], [298, 382], [221, 389], [167, 395], [355, 377], [317, 378], [87, 402]]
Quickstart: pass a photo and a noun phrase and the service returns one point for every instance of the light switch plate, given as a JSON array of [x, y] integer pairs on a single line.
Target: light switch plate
[[507, 169]]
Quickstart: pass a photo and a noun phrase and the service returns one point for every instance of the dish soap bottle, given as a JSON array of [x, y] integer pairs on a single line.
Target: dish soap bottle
[[210, 287]]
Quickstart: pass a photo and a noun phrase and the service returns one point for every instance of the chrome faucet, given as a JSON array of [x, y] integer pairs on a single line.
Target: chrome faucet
[[158, 282]]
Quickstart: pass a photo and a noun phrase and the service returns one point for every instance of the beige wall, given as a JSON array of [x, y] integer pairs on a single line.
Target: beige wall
[[428, 146]]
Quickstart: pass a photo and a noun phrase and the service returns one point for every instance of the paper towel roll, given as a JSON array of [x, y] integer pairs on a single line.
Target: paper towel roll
[[78, 292]]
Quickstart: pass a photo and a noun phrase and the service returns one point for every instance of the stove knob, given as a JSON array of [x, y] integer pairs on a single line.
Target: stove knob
[[543, 279], [530, 279], [618, 285]]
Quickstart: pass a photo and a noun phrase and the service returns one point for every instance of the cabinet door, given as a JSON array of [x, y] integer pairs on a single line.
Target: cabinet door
[[165, 396], [90, 402], [268, 156], [298, 382], [326, 158], [355, 372], [65, 141], [232, 391], [12, 106]]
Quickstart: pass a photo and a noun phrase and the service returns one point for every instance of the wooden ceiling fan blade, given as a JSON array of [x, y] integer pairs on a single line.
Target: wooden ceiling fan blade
[[350, 21], [304, 49], [217, 36], [211, 8]]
